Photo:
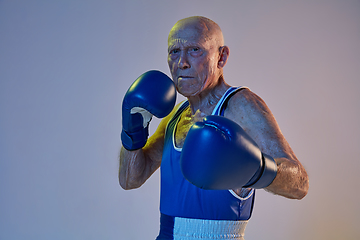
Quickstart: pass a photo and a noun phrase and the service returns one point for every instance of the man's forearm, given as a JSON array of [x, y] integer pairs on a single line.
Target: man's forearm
[[291, 180], [132, 168]]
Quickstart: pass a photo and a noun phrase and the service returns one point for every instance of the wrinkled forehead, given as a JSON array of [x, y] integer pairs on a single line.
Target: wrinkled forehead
[[191, 32]]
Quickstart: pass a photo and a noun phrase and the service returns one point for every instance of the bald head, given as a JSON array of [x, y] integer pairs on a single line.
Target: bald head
[[196, 55], [200, 26]]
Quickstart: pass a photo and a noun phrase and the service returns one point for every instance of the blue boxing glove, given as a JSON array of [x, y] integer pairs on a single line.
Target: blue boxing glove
[[219, 154], [153, 93]]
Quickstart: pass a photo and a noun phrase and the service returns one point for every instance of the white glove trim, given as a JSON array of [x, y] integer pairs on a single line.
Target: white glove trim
[[145, 114]]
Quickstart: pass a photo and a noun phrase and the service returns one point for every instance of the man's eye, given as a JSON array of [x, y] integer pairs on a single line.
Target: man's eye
[[174, 51], [195, 52]]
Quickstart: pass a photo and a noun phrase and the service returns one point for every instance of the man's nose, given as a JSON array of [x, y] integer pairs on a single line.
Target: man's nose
[[183, 61]]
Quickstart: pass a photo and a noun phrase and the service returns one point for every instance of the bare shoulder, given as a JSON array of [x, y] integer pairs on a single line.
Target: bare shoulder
[[254, 116], [247, 108]]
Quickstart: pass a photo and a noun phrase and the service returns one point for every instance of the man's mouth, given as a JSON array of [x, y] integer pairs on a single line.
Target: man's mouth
[[184, 77]]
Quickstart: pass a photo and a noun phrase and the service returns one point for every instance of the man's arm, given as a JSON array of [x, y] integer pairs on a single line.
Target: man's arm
[[140, 156], [254, 116], [138, 165]]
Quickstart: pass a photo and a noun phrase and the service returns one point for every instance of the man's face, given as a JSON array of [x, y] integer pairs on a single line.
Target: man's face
[[192, 58]]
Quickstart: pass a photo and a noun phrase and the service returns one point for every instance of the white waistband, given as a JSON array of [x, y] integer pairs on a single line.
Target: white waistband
[[195, 229]]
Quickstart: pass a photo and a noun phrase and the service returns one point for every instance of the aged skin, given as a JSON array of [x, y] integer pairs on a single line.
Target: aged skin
[[196, 57]]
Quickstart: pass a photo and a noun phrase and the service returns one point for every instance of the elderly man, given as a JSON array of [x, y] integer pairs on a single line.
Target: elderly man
[[213, 149]]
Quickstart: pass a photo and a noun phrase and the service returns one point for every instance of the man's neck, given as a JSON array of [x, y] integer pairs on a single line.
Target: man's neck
[[207, 99]]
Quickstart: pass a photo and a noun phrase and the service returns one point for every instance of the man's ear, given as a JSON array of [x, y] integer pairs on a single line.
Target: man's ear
[[224, 53]]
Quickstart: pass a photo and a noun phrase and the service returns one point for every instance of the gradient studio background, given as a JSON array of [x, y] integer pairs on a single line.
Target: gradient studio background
[[65, 66]]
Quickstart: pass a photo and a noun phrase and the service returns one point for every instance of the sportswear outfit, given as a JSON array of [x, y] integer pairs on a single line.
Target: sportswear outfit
[[189, 212]]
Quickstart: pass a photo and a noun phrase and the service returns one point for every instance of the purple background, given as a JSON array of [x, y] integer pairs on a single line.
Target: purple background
[[66, 65]]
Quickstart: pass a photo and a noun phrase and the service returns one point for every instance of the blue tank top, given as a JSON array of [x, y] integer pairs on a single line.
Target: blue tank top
[[180, 198]]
